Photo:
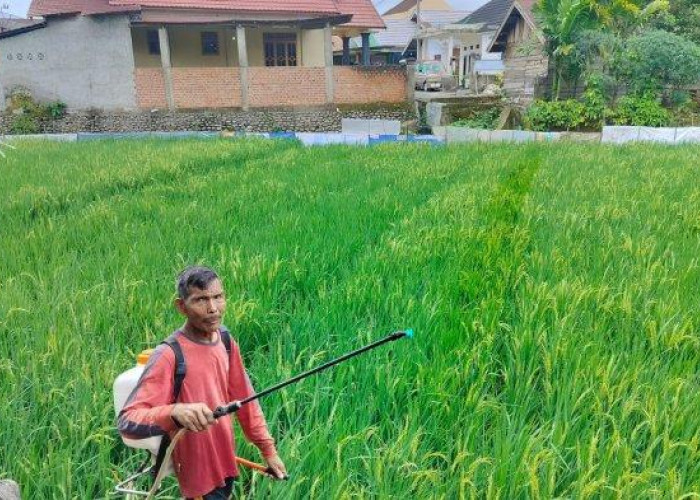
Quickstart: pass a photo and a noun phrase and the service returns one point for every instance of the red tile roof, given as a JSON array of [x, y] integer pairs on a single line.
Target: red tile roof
[[363, 12]]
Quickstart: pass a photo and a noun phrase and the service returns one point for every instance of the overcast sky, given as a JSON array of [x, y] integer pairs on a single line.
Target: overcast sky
[[16, 7]]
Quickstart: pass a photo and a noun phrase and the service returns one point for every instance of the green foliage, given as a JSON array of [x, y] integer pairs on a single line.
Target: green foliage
[[643, 110], [56, 109], [682, 18], [486, 119], [553, 289], [27, 114], [655, 59], [555, 115], [24, 124]]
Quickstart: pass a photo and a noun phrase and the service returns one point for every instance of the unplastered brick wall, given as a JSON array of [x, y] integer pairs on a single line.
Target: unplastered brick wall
[[150, 88], [374, 84], [286, 86], [206, 88]]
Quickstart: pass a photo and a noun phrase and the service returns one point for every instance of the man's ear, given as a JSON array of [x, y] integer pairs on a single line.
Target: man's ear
[[180, 306]]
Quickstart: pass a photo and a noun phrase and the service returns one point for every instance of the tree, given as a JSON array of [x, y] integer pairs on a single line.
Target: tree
[[561, 22], [656, 60], [683, 18]]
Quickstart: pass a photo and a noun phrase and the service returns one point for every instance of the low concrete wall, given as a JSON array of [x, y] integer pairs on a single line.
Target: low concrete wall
[[310, 119]]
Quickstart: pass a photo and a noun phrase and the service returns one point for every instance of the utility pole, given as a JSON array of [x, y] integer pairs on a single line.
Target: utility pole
[[419, 42]]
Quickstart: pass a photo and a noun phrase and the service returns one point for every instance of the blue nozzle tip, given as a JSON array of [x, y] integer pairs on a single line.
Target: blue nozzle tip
[[409, 333]]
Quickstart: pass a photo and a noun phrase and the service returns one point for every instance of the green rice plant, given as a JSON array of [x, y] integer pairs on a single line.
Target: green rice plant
[[553, 288]]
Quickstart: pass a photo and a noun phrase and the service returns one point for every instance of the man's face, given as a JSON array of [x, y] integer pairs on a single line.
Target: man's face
[[204, 308]]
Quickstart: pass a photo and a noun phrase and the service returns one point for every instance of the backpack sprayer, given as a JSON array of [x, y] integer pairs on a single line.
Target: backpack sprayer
[[163, 466]]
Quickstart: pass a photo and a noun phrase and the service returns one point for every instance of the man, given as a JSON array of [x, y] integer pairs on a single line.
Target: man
[[204, 458]]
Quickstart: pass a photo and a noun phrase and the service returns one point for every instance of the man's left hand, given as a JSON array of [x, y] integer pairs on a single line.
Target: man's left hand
[[277, 468]]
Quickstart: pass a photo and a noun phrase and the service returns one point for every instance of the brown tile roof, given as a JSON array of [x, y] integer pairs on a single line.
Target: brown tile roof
[[364, 15], [363, 12]]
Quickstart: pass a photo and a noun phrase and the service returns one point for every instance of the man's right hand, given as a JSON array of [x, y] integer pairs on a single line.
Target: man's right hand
[[193, 416]]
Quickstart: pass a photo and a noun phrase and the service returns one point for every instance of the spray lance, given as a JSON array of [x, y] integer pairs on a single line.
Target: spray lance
[[234, 406]]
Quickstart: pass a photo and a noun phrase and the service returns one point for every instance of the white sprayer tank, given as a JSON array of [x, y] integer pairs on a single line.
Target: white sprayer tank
[[123, 386]]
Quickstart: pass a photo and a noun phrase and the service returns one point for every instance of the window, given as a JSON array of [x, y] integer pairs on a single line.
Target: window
[[153, 42], [280, 49], [210, 43]]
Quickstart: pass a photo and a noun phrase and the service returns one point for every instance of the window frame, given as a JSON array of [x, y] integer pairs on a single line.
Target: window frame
[[289, 54]]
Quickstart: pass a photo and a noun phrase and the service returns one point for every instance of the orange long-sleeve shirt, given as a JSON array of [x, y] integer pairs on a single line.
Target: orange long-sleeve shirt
[[203, 460]]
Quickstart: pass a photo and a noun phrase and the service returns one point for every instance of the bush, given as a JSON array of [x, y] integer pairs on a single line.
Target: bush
[[27, 114], [24, 124], [556, 115], [484, 119], [643, 110], [656, 59]]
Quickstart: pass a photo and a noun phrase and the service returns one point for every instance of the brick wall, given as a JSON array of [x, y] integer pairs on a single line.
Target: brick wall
[[150, 88], [218, 87], [284, 87], [206, 88], [374, 84]]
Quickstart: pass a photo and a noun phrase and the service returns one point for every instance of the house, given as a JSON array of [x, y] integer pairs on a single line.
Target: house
[[193, 54], [491, 42], [401, 38], [521, 44]]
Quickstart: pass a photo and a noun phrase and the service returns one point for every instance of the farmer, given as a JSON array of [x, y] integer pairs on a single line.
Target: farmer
[[204, 458]]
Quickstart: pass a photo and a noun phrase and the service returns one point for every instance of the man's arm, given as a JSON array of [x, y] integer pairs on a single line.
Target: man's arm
[[148, 409]]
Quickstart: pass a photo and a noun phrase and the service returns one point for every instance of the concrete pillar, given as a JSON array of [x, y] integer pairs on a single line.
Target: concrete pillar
[[346, 51], [2, 97], [243, 64], [166, 64], [365, 49], [450, 50], [460, 72], [328, 53]]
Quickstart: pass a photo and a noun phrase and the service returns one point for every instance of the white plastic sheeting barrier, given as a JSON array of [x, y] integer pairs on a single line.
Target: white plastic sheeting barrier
[[359, 126], [664, 135]]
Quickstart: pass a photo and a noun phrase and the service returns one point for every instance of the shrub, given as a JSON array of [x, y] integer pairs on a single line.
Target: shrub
[[24, 124], [484, 119], [27, 114], [655, 59], [555, 115], [644, 110]]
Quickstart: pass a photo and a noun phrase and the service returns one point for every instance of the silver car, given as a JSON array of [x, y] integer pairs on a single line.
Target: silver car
[[430, 75]]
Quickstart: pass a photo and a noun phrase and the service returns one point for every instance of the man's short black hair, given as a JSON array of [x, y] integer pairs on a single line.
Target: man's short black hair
[[195, 276]]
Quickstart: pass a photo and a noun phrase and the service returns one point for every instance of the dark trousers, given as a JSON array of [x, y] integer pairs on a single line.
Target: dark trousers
[[220, 493]]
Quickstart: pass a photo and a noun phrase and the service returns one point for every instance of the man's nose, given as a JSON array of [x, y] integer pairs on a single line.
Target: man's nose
[[212, 305]]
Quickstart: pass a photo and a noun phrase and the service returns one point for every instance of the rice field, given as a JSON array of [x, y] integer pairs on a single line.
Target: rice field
[[554, 291]]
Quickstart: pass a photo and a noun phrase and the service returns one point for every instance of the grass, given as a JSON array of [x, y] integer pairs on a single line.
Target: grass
[[553, 289]]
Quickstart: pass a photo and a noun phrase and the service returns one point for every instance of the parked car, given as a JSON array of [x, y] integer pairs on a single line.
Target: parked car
[[430, 75]]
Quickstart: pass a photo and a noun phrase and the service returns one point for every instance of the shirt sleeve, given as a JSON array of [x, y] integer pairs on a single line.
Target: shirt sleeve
[[148, 408], [250, 415]]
